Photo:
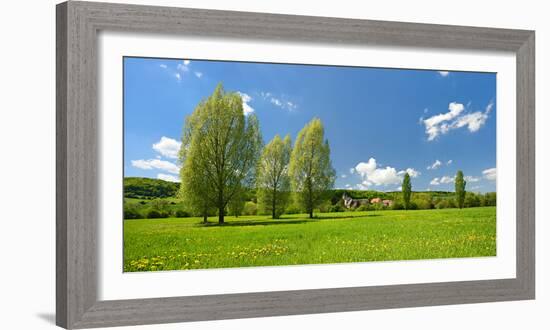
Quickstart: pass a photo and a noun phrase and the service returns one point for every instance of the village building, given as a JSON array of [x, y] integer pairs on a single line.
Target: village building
[[351, 203], [376, 200]]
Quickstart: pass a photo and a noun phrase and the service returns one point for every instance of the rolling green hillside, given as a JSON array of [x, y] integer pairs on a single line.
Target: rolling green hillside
[[146, 188]]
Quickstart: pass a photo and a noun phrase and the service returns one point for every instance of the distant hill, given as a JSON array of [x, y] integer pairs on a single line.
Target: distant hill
[[147, 188]]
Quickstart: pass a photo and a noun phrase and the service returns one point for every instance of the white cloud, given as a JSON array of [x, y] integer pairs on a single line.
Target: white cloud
[[490, 174], [435, 165], [473, 121], [412, 172], [443, 180], [279, 102], [434, 182], [247, 109], [167, 147], [446, 179], [443, 73], [436, 125], [151, 164], [471, 179], [352, 170], [276, 101], [183, 66], [343, 176], [371, 174], [291, 106], [454, 119], [168, 177]]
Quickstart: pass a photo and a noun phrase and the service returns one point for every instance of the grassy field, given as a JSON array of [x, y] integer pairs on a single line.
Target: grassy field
[[186, 243]]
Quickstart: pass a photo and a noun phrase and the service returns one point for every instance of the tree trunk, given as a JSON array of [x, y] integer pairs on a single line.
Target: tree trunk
[[273, 205], [205, 214], [221, 215], [311, 213]]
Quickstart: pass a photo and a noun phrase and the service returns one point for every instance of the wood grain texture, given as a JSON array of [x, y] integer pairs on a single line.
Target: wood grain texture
[[77, 152], [61, 166]]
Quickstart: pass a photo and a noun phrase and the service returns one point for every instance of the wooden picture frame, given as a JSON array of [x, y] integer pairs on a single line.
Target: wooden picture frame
[[78, 24]]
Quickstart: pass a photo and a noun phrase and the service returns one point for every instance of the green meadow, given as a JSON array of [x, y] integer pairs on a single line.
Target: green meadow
[[339, 237]]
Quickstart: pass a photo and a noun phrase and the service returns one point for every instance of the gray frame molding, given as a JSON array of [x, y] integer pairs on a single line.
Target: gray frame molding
[[77, 149]]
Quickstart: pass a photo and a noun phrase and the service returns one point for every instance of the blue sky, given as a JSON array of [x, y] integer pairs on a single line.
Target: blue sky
[[380, 123]]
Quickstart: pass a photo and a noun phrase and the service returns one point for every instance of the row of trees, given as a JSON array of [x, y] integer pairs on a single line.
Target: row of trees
[[460, 190], [222, 156]]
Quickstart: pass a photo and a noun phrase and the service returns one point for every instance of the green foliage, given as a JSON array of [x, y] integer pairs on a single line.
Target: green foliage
[[363, 208], [236, 204], [250, 208], [158, 209], [406, 189], [337, 208], [310, 168], [220, 148], [325, 206], [156, 214], [173, 244], [397, 205], [138, 208], [472, 200], [147, 188], [460, 189], [445, 203], [131, 212], [182, 214], [272, 181], [423, 201], [335, 195], [490, 199], [293, 207]]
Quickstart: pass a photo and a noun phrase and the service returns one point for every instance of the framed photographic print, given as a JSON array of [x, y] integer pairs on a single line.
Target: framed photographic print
[[217, 165]]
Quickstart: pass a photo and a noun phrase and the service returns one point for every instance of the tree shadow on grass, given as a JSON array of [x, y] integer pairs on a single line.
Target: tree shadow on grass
[[332, 217], [287, 220], [243, 223]]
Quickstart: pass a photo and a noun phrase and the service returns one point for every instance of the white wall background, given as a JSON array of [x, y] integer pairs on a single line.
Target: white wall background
[[27, 163]]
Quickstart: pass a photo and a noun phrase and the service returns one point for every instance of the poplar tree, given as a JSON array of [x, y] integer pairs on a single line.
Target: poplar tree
[[406, 190], [460, 189]]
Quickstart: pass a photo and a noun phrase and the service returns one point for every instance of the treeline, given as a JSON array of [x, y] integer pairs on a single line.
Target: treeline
[[421, 200], [151, 189]]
